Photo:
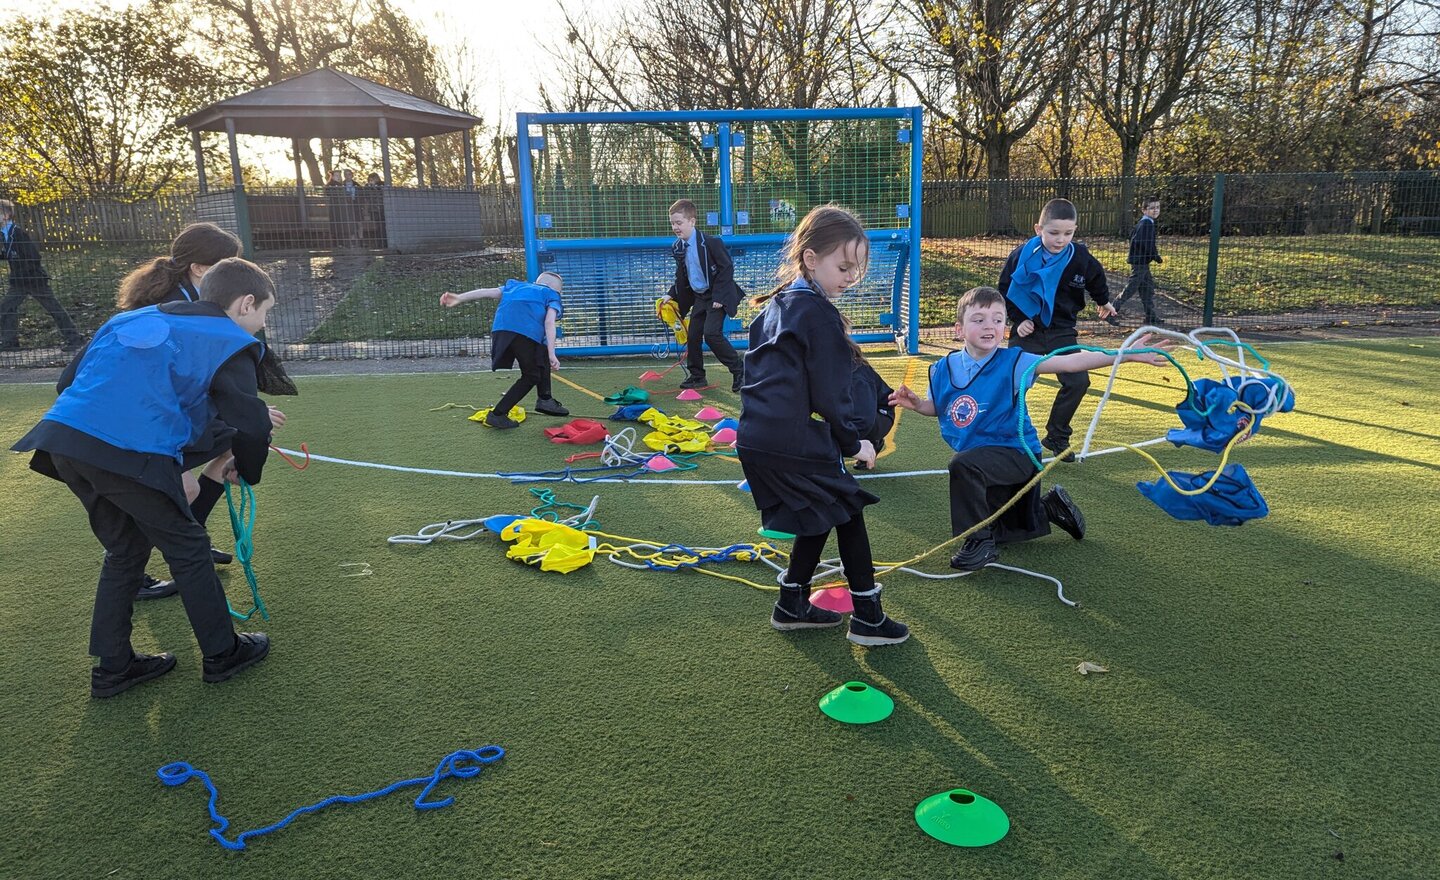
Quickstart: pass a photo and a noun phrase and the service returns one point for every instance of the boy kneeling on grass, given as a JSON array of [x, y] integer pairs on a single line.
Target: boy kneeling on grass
[[974, 392]]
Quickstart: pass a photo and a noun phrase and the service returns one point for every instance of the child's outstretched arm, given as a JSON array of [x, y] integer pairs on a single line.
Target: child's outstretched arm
[[1082, 361], [450, 300], [550, 338], [907, 399]]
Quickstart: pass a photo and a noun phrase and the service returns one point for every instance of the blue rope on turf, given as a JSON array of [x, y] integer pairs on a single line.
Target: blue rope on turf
[[242, 523], [459, 765], [722, 555]]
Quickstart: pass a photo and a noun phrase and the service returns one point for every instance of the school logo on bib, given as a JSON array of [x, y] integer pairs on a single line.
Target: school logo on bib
[[963, 411]]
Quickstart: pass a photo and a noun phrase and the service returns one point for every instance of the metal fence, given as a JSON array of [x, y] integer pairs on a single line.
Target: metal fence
[[359, 274], [1261, 251]]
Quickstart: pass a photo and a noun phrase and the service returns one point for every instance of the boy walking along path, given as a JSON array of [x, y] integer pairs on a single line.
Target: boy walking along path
[[27, 279], [1143, 252]]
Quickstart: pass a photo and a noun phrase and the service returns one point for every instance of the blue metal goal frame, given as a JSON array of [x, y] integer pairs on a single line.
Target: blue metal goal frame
[[535, 246]]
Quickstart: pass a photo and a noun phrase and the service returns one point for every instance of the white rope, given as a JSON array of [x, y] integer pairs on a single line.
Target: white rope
[[451, 530]]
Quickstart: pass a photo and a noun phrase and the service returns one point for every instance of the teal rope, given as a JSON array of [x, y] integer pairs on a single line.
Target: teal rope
[[242, 523], [550, 507]]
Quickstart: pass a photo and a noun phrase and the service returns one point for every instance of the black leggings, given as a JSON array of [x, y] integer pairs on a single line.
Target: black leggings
[[855, 555]]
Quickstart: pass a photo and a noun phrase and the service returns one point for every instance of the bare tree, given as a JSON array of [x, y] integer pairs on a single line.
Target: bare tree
[[987, 69], [266, 41], [1151, 57]]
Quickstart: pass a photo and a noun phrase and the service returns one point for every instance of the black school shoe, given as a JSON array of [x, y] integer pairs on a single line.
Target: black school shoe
[[1061, 511], [737, 382], [1057, 447], [551, 407], [495, 420], [154, 588], [975, 554], [220, 557], [696, 380], [250, 648], [142, 668]]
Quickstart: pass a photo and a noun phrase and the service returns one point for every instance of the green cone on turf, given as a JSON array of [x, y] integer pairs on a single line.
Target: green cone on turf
[[962, 818], [856, 702], [774, 535]]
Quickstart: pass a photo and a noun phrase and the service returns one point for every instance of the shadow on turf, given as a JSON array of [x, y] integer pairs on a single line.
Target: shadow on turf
[[931, 718]]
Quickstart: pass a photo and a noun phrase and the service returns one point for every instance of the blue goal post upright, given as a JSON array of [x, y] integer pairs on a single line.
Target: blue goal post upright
[[595, 192]]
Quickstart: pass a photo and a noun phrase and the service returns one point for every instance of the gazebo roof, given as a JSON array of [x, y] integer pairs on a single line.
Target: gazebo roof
[[330, 104]]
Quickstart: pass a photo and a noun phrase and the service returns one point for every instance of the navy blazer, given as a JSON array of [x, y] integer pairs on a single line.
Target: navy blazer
[[717, 266]]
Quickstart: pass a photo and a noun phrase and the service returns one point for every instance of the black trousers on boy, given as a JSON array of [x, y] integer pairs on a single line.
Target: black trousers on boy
[[983, 479], [1143, 283], [15, 298], [533, 359], [130, 519], [1043, 340], [707, 324]]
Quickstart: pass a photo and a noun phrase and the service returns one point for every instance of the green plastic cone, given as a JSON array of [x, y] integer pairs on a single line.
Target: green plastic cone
[[773, 535], [856, 702], [962, 818]]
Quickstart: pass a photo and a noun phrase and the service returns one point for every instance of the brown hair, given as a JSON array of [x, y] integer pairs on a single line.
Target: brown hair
[[233, 278], [824, 230], [978, 298], [199, 244], [1149, 200], [686, 207], [7, 207], [1058, 209]]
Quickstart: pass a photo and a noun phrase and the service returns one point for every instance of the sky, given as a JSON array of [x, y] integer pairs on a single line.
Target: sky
[[506, 40]]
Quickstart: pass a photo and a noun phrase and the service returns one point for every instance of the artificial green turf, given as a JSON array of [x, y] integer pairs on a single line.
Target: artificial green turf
[[1268, 685]]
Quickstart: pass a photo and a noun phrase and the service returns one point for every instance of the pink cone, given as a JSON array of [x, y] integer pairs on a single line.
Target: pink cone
[[709, 414], [723, 436], [688, 394], [835, 599], [650, 376], [659, 463]]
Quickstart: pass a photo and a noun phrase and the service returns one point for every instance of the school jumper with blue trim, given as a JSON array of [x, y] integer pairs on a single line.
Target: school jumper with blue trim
[[976, 403], [797, 420], [1082, 275]]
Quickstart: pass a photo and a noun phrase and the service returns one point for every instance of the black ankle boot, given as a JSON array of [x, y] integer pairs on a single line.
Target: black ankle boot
[[869, 626], [794, 610]]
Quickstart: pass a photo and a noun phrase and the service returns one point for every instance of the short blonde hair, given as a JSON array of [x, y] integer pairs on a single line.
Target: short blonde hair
[[686, 207]]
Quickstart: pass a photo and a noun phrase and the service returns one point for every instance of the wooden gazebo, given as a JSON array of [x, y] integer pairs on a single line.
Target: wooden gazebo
[[326, 103]]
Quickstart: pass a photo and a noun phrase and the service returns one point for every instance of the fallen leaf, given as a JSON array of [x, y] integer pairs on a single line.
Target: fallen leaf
[[1087, 667]]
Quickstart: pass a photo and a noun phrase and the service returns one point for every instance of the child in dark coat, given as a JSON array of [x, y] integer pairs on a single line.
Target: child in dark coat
[[799, 421]]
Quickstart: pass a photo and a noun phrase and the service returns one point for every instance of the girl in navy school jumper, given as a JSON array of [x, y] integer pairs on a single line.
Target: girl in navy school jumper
[[523, 334], [176, 278], [798, 422]]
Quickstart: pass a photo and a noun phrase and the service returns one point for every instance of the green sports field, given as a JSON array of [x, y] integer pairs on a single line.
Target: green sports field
[[1270, 711]]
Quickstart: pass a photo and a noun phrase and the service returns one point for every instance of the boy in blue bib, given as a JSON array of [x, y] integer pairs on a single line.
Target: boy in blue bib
[[974, 392], [149, 384], [523, 334]]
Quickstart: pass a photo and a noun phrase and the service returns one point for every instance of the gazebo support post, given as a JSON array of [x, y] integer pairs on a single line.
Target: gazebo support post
[[385, 149]]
